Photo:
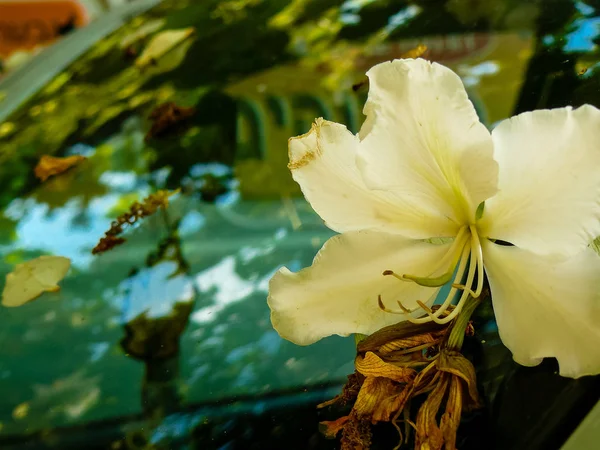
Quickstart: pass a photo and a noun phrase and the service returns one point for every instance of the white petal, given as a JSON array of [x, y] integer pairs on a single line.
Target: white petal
[[323, 162], [547, 308], [423, 140], [549, 199], [32, 278], [338, 293]]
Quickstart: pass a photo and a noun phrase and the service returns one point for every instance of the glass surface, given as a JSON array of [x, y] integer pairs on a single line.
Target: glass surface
[[75, 370]]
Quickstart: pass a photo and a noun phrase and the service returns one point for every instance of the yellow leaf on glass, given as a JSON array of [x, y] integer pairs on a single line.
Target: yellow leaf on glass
[[31, 279]]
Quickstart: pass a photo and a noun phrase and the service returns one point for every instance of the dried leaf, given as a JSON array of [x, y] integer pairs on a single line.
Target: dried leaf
[[402, 330], [51, 165], [451, 417], [372, 365], [373, 391], [31, 279], [162, 43], [456, 364], [390, 405], [331, 428], [407, 343], [429, 436]]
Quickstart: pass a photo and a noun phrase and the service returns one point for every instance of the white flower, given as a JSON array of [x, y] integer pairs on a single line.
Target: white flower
[[417, 171]]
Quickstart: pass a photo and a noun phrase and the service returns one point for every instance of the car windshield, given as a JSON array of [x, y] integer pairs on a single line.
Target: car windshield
[[161, 337]]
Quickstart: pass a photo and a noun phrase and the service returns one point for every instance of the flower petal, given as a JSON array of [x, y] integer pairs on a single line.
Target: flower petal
[[549, 199], [422, 139], [323, 163], [547, 308], [338, 293]]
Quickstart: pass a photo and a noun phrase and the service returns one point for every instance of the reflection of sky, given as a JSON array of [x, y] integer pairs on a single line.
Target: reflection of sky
[[153, 291], [582, 38], [53, 232], [229, 285], [586, 29], [191, 222], [401, 17], [471, 75], [126, 181]]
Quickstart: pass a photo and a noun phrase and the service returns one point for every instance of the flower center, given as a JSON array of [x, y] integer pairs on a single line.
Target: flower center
[[463, 256]]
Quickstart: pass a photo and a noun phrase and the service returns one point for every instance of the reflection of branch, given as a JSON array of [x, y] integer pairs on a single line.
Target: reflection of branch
[[160, 199], [291, 211]]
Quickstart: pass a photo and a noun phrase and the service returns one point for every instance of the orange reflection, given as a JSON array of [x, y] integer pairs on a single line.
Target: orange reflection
[[26, 24]]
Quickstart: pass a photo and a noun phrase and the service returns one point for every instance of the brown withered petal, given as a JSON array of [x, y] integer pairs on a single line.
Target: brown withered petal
[[52, 165], [426, 380], [456, 364], [402, 330], [374, 390], [407, 343], [330, 428], [451, 418], [372, 365], [428, 435], [389, 406]]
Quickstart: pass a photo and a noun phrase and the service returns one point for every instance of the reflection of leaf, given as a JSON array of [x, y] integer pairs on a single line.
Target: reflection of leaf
[[50, 165], [21, 411], [144, 30], [32, 278], [70, 396], [161, 44], [166, 117]]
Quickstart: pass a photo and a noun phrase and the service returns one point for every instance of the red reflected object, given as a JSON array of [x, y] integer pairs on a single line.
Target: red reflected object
[[25, 24]]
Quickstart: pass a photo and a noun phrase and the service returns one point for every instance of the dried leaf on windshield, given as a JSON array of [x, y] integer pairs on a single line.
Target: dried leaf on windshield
[[49, 166], [31, 279], [111, 239]]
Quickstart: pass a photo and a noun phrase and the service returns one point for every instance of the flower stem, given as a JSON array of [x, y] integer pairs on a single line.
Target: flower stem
[[457, 333]]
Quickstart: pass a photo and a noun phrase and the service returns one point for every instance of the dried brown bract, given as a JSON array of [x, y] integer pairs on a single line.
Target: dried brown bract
[[137, 210], [395, 365], [51, 165], [166, 117]]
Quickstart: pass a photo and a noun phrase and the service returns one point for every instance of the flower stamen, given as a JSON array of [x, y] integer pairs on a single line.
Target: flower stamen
[[391, 311], [424, 307], [448, 300], [405, 309], [453, 254], [476, 247]]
